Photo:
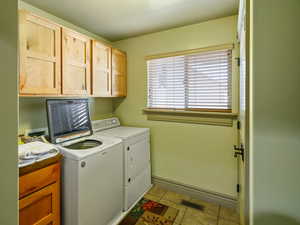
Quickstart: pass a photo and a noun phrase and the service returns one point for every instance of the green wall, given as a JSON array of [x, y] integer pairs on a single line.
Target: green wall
[[32, 110], [8, 113], [275, 110], [43, 13], [198, 155]]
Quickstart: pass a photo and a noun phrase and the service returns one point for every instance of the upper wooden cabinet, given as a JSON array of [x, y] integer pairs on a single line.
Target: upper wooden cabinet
[[119, 86], [109, 71], [76, 71], [40, 56], [56, 61], [101, 75]]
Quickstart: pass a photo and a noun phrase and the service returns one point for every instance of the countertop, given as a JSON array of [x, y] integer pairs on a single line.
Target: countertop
[[38, 165]]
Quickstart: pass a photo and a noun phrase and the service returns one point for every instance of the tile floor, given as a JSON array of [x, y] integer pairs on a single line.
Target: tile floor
[[212, 214]]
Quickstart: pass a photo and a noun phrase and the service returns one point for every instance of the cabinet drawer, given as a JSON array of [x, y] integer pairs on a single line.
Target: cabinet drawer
[[41, 207], [36, 180]]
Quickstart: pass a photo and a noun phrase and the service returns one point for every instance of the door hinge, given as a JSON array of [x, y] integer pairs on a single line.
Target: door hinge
[[238, 125], [238, 188], [238, 61], [239, 151]]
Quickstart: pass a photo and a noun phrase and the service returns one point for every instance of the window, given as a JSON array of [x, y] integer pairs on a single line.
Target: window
[[192, 81]]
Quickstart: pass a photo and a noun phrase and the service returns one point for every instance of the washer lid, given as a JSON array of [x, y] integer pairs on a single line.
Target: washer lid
[[89, 146], [84, 145], [124, 132]]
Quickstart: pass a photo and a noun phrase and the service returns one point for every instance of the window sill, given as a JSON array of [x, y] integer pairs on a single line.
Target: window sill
[[196, 117]]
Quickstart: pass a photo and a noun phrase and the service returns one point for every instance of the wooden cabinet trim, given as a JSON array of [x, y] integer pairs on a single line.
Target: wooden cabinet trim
[[42, 21], [41, 57], [76, 34], [39, 19]]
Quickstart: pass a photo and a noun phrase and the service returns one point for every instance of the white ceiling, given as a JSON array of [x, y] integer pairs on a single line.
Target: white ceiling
[[120, 19]]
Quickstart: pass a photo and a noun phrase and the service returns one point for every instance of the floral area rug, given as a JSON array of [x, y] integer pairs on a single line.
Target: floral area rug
[[147, 212]]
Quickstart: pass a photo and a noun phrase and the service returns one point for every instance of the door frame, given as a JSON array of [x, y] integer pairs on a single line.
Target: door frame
[[244, 23]]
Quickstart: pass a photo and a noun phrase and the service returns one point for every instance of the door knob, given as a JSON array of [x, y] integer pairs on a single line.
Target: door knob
[[239, 151]]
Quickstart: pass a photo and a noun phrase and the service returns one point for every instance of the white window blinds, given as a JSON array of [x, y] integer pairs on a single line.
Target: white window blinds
[[198, 81]]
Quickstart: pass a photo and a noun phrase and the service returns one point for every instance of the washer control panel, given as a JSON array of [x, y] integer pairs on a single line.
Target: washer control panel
[[99, 125]]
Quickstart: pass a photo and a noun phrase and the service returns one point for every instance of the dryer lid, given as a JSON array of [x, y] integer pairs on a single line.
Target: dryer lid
[[124, 132]]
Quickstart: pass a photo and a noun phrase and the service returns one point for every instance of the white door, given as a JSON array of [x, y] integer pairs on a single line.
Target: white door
[[243, 161]]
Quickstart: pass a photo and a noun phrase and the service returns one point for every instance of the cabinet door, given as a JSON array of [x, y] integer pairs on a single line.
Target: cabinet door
[[119, 86], [41, 207], [101, 75], [76, 75], [40, 56]]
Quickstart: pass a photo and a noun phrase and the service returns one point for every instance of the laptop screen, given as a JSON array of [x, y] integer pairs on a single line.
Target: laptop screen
[[68, 119]]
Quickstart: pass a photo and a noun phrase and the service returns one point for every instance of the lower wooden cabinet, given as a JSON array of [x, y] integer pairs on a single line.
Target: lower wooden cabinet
[[41, 207], [39, 202]]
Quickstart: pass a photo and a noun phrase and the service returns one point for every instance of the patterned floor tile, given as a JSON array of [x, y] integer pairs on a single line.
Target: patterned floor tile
[[175, 197], [181, 209], [189, 216], [229, 214], [226, 222], [157, 191], [209, 207], [152, 197], [196, 217]]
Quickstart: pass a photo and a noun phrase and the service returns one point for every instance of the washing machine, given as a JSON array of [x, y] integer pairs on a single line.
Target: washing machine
[[136, 148], [92, 166], [92, 180]]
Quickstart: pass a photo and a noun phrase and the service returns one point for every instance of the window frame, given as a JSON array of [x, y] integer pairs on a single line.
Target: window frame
[[223, 117]]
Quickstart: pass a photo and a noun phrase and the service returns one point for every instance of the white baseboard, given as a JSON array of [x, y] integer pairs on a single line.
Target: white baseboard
[[196, 192]]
